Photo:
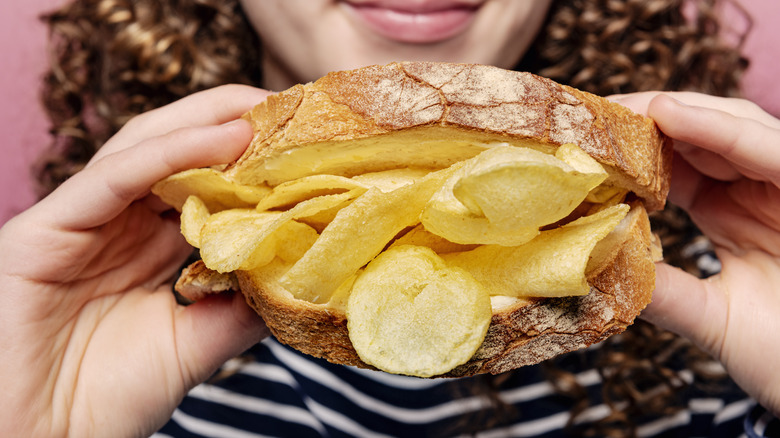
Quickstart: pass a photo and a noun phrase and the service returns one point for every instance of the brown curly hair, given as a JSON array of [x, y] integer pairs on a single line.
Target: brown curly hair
[[114, 59], [618, 46]]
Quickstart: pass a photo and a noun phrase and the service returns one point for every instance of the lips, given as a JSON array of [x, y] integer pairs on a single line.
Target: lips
[[414, 21]]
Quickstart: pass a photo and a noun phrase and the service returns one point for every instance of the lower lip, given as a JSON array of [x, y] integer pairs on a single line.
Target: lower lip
[[414, 27]]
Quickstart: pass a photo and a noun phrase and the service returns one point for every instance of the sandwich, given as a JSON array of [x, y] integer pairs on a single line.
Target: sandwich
[[432, 219]]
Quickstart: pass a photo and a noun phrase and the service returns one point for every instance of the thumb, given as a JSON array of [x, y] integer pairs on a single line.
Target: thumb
[[693, 308], [213, 330]]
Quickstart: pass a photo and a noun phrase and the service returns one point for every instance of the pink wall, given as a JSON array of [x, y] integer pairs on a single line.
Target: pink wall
[[763, 47], [23, 126], [22, 123]]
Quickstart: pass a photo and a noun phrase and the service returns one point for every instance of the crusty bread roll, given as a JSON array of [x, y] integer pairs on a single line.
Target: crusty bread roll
[[431, 115]]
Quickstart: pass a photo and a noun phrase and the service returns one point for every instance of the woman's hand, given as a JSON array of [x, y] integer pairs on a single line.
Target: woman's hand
[[93, 342], [727, 177]]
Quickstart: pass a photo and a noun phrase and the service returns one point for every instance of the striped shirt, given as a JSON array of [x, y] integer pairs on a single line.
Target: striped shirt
[[282, 393]]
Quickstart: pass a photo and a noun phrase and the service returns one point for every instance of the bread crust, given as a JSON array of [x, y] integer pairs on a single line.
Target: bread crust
[[466, 99]]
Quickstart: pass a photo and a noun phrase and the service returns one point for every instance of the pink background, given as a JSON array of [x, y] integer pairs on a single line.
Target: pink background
[[23, 127]]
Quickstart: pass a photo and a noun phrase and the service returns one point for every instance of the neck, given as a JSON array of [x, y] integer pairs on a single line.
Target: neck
[[276, 77]]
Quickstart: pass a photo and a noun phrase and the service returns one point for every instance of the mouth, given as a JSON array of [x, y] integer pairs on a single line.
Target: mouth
[[414, 21]]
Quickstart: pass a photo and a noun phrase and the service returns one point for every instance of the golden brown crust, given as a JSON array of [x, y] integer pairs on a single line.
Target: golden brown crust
[[497, 104], [196, 281], [520, 334]]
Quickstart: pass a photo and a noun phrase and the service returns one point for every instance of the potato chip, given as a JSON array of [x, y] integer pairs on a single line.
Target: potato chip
[[446, 216], [210, 185], [605, 251], [357, 234], [340, 297], [419, 236], [194, 215], [293, 192], [234, 238], [505, 194], [243, 238], [389, 180], [551, 265], [320, 220], [409, 313], [607, 195], [293, 240], [603, 194], [575, 157], [301, 189], [531, 190]]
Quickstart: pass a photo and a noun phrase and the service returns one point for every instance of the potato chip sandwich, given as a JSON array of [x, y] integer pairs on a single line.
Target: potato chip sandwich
[[432, 219]]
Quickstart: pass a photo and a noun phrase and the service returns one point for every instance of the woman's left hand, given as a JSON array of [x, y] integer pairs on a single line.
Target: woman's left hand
[[727, 177]]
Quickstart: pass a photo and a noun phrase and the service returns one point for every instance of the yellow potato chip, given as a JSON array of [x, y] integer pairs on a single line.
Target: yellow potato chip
[[521, 187], [445, 216], [210, 185], [293, 192], [234, 238], [301, 189], [194, 215], [575, 157], [293, 240], [389, 180], [419, 236], [356, 235], [552, 265], [607, 195], [288, 241], [340, 297], [505, 194], [321, 219], [409, 313], [241, 239]]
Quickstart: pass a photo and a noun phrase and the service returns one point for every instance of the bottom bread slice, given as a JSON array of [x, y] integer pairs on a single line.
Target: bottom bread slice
[[522, 331]]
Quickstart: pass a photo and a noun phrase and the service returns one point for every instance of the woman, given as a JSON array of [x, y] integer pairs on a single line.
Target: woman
[[95, 257]]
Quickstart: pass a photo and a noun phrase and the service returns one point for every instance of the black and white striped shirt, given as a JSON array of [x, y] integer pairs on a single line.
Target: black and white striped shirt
[[283, 393]]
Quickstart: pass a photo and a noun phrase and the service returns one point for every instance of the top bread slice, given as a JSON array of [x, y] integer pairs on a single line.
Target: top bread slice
[[431, 115], [421, 114]]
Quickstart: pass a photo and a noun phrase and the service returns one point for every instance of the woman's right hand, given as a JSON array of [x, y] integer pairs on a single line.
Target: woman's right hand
[[93, 342]]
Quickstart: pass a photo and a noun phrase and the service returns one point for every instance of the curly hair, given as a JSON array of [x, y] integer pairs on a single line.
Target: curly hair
[[114, 59], [618, 46]]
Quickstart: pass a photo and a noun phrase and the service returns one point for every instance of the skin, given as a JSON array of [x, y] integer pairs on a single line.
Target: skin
[[94, 344], [727, 177], [326, 37], [84, 266]]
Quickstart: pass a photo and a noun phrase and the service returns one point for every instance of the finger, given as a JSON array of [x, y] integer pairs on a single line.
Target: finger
[[636, 102], [688, 306], [211, 107], [686, 183], [639, 103], [101, 191], [750, 145], [711, 164], [707, 162], [214, 330], [690, 185]]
